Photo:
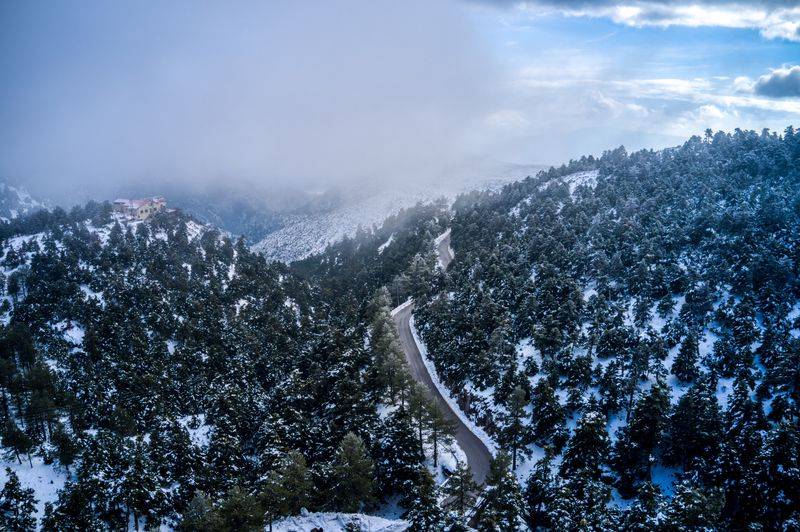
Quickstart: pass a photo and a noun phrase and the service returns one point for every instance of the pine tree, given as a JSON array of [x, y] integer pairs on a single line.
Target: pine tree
[[240, 511], [289, 488], [740, 459], [588, 449], [694, 427], [17, 506], [17, 440], [423, 511], [352, 474], [441, 430], [460, 489], [685, 365], [200, 515], [694, 507], [547, 413], [515, 432], [67, 448], [400, 454], [645, 514], [503, 499], [637, 442], [539, 494]]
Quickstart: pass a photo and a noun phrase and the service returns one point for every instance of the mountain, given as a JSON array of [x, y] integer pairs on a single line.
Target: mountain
[[626, 328], [15, 201], [162, 373], [622, 331], [309, 231]]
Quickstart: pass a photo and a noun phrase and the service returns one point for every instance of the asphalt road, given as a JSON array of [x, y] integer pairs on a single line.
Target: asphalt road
[[478, 456]]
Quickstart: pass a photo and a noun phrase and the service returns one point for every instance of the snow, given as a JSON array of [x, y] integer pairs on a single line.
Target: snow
[[472, 426], [438, 239], [793, 315], [91, 294], [577, 179], [664, 478], [303, 235], [16, 201], [71, 332], [386, 244], [385, 410], [199, 435], [44, 479], [337, 522]]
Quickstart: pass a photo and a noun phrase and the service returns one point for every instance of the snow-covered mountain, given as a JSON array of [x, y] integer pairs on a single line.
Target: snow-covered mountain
[[304, 234], [15, 201]]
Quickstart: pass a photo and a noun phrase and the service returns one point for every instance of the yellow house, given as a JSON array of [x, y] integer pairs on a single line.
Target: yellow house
[[140, 209]]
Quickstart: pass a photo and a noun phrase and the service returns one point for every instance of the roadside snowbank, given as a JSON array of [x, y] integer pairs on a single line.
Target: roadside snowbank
[[475, 429], [401, 307]]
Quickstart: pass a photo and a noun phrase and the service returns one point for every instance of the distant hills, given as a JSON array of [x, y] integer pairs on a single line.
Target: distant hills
[[15, 201]]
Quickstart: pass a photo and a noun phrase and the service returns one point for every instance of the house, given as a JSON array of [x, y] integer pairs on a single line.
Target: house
[[140, 209]]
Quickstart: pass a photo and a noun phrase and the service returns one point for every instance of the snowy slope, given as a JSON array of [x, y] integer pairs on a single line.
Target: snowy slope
[[15, 201], [303, 235], [335, 522]]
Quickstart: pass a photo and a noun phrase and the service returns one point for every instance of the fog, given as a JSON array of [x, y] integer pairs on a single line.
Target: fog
[[98, 97]]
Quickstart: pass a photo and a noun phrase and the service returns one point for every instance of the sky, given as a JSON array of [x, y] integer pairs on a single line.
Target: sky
[[283, 94]]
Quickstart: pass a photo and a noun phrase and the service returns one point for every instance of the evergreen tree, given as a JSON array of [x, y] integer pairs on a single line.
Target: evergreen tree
[[423, 511], [200, 515], [460, 489], [685, 365], [646, 513], [17, 505], [239, 511], [588, 449], [515, 432], [289, 488], [694, 427], [352, 474], [694, 507], [539, 494], [67, 448], [547, 412], [503, 499], [400, 454], [441, 432], [637, 442]]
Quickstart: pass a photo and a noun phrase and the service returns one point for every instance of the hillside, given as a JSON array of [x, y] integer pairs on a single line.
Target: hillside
[[310, 230], [626, 328], [623, 332], [160, 373], [15, 202]]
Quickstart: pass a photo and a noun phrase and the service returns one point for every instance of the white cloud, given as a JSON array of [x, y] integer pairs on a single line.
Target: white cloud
[[507, 119], [773, 21]]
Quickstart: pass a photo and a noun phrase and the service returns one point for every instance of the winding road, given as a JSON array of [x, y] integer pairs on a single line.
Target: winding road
[[478, 456]]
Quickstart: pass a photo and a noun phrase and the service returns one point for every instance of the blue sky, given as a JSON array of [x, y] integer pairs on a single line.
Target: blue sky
[[290, 93], [598, 79]]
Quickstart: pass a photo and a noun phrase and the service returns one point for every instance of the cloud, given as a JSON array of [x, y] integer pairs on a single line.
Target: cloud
[[276, 93], [780, 83], [776, 19]]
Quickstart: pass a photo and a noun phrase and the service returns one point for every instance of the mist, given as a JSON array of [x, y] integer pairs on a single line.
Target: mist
[[99, 97]]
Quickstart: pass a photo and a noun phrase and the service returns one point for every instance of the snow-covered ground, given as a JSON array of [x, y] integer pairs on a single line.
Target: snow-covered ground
[[45, 480], [336, 522]]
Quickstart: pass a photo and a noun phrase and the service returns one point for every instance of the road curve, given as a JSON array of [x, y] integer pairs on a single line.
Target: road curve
[[478, 456]]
